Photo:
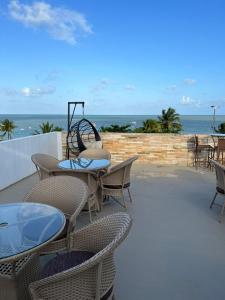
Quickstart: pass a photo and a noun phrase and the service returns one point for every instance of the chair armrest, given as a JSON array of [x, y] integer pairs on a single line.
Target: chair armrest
[[111, 171], [59, 171], [76, 276], [56, 246]]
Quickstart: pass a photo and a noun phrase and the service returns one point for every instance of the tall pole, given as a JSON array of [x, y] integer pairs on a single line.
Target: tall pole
[[213, 117], [70, 116]]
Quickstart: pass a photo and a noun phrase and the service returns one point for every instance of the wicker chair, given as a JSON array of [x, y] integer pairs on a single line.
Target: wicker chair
[[220, 186], [44, 164], [67, 193], [220, 150], [202, 153], [15, 277], [91, 180], [64, 278], [117, 180], [95, 154]]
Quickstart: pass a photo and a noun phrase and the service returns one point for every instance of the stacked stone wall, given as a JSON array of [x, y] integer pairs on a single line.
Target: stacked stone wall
[[157, 149]]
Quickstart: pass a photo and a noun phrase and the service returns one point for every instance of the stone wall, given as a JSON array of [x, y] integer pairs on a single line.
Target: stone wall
[[158, 149]]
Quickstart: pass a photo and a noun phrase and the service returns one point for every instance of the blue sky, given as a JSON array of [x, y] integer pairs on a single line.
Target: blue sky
[[121, 57]]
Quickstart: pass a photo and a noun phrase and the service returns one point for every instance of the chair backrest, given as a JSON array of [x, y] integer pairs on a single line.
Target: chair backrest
[[112, 231], [69, 194], [44, 164], [95, 277], [196, 141], [120, 173], [85, 175], [220, 174], [95, 154], [221, 144]]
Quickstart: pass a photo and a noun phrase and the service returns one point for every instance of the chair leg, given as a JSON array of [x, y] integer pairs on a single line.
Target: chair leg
[[214, 198], [131, 200], [196, 160], [89, 210], [124, 200], [222, 212]]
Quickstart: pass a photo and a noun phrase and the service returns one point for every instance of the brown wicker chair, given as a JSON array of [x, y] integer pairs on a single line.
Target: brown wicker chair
[[220, 150], [95, 154], [91, 180], [117, 180], [67, 193], [220, 186], [92, 277], [44, 164], [16, 276], [202, 153]]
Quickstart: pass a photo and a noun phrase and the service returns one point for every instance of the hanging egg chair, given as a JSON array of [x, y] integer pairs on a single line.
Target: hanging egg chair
[[83, 135]]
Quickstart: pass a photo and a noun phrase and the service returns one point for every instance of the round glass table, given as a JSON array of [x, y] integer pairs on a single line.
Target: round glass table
[[27, 227], [84, 164]]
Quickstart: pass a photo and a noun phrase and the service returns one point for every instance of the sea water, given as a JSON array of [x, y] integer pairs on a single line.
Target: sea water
[[27, 124]]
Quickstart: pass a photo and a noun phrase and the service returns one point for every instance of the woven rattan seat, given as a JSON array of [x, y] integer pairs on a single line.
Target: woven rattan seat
[[65, 261], [94, 278], [95, 154], [220, 185], [91, 180], [15, 277], [117, 179], [67, 193], [45, 164]]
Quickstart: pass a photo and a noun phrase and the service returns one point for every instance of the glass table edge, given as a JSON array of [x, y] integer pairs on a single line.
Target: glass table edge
[[33, 250]]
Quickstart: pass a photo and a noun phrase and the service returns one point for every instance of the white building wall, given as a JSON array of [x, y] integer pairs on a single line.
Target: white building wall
[[15, 155]]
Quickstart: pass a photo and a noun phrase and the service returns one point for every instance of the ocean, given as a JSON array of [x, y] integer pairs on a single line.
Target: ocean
[[27, 124]]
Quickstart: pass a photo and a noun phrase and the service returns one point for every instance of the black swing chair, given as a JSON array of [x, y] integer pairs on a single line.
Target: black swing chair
[[81, 134]]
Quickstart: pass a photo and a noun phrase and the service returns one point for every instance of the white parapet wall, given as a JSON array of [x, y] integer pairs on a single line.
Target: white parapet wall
[[15, 155]]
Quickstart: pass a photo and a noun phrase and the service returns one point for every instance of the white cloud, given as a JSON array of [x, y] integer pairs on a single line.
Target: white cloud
[[129, 87], [61, 24], [101, 85], [190, 81], [37, 92], [171, 88], [186, 100]]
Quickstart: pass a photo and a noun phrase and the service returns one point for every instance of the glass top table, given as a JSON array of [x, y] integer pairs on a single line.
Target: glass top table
[[84, 164], [26, 227], [218, 135]]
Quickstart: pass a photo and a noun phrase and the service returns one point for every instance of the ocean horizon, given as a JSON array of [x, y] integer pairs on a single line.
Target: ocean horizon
[[26, 124]]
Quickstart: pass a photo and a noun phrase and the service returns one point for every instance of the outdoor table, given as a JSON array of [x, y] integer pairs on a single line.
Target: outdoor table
[[84, 164], [25, 228], [219, 135]]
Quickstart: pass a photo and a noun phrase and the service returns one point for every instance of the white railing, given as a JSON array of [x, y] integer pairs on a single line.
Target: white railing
[[15, 155]]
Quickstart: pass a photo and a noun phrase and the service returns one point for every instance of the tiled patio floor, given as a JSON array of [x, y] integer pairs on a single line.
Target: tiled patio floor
[[176, 247]]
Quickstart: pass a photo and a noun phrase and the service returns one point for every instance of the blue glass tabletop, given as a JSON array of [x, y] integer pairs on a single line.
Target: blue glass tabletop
[[84, 163], [26, 226]]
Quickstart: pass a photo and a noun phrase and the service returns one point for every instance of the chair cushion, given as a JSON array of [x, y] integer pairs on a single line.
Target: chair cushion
[[219, 190], [108, 294], [65, 261], [119, 186]]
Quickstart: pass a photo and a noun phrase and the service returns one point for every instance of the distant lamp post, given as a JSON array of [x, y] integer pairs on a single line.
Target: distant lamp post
[[213, 117]]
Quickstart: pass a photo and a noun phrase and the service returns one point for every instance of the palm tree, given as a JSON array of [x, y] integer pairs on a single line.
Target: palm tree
[[46, 127], [116, 128], [170, 121], [151, 126], [221, 128], [7, 127]]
